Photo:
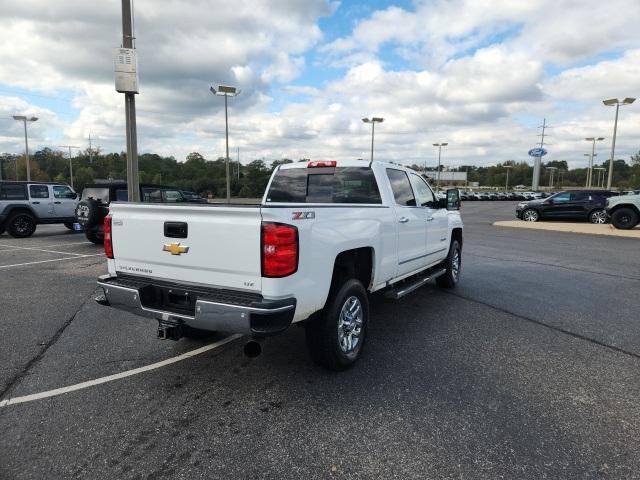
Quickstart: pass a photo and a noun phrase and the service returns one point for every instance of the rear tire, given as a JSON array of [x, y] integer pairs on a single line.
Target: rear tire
[[1, 229], [21, 225], [453, 264], [624, 218], [94, 237], [336, 338]]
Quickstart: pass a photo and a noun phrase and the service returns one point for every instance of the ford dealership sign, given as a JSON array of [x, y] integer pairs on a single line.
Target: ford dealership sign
[[537, 152]]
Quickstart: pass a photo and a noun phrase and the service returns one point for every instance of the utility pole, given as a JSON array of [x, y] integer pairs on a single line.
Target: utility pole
[[508, 167], [537, 165], [70, 161], [133, 183]]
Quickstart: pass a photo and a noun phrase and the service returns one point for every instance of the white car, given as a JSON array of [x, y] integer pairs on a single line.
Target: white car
[[624, 211], [325, 236]]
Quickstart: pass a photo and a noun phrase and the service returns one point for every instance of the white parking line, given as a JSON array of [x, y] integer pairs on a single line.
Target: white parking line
[[52, 260], [49, 246], [117, 376], [38, 250]]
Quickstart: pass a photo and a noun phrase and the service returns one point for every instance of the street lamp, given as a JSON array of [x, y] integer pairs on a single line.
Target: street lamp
[[70, 163], [26, 119], [593, 149], [506, 186], [226, 91], [610, 103], [600, 183], [373, 121], [439, 145]]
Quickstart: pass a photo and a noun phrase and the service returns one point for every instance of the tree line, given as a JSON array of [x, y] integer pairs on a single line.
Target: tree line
[[207, 177]]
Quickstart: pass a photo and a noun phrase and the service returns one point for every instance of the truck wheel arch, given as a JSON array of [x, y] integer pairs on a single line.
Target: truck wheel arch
[[355, 263], [624, 205], [22, 208], [456, 234]]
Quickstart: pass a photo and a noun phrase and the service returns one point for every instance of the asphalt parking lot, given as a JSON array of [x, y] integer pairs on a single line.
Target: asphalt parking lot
[[529, 369]]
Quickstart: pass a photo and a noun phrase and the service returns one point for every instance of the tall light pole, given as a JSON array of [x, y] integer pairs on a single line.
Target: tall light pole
[[439, 145], [589, 162], [508, 167], [593, 141], [600, 182], [70, 162], [126, 79], [373, 121], [25, 119], [610, 103], [226, 91]]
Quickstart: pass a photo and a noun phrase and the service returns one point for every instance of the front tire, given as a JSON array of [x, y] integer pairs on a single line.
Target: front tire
[[598, 217], [21, 225], [336, 338], [624, 218], [530, 215], [453, 264]]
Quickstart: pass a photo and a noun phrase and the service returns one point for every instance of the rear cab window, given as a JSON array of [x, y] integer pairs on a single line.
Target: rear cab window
[[13, 192], [349, 185]]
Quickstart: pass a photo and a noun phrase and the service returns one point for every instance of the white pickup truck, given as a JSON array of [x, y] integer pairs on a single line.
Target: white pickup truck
[[325, 236]]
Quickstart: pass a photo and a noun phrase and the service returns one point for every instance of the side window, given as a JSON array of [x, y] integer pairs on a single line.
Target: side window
[[172, 196], [13, 192], [62, 191], [401, 187], [423, 193], [152, 195], [562, 197], [580, 196], [38, 191]]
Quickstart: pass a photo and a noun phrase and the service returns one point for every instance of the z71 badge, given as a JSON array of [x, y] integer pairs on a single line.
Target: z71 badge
[[303, 215]]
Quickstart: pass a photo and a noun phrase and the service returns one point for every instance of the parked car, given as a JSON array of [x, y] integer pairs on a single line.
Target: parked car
[[571, 204], [256, 269], [24, 205], [624, 211], [192, 197], [97, 197]]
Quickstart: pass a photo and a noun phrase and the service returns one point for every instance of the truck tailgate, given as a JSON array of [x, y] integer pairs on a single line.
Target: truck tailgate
[[221, 248]]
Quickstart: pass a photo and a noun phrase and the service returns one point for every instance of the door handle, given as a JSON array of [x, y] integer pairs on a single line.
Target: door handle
[[429, 219], [403, 220], [36, 203], [57, 203]]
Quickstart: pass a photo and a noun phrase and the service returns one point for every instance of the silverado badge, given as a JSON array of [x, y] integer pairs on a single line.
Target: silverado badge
[[175, 248]]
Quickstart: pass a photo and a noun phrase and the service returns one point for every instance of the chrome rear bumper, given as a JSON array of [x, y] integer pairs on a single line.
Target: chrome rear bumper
[[253, 316]]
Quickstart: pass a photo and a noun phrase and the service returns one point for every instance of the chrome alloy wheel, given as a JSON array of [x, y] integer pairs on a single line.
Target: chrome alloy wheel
[[530, 216], [599, 216], [455, 264], [350, 324]]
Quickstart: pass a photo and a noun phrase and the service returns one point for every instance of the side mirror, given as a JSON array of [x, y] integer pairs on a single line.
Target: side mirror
[[75, 195], [453, 199]]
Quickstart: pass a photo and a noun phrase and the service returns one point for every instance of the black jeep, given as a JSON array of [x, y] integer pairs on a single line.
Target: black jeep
[[96, 197]]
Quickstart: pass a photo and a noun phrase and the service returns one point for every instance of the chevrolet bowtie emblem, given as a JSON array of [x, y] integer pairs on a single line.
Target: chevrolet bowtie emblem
[[175, 248]]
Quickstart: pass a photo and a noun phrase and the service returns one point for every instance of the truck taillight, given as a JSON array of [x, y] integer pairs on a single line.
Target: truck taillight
[[279, 249], [108, 243]]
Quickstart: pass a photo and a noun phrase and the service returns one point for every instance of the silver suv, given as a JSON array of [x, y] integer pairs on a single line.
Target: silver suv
[[23, 205]]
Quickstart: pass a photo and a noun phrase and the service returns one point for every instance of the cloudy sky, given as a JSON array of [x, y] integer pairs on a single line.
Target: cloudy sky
[[479, 74]]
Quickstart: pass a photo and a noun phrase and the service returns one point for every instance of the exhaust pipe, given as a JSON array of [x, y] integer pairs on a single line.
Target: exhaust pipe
[[253, 348]]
